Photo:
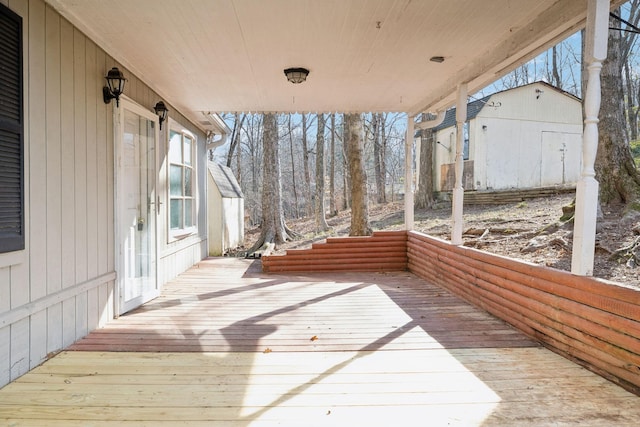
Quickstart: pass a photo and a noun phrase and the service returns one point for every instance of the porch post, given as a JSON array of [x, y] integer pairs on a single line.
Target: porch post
[[458, 191], [584, 229], [408, 175]]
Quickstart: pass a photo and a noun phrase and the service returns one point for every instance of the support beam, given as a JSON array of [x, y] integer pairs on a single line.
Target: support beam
[[584, 229], [458, 191], [408, 175]]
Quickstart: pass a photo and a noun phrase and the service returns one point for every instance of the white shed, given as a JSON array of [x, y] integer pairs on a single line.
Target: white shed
[[226, 210], [525, 137]]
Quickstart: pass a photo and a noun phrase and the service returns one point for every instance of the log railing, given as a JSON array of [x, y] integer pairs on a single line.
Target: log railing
[[384, 251], [591, 321]]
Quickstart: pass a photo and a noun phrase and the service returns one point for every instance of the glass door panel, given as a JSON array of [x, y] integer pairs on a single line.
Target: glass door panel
[[137, 179]]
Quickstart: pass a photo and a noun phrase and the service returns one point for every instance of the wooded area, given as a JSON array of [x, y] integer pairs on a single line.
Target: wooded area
[[301, 139]]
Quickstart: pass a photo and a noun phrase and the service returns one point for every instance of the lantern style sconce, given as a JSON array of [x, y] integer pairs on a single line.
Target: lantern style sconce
[[296, 75], [161, 111], [115, 86]]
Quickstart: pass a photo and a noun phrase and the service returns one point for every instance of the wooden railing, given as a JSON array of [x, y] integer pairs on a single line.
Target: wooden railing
[[590, 321], [587, 320], [384, 251]]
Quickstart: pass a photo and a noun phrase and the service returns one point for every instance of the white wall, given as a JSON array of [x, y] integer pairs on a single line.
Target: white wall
[[62, 285], [530, 140], [226, 220]]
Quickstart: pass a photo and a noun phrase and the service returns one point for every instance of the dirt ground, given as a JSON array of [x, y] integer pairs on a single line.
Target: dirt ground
[[530, 230]]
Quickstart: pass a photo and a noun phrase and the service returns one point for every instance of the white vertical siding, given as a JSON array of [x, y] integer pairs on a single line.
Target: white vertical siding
[[509, 153], [37, 220], [62, 285], [19, 273], [54, 177]]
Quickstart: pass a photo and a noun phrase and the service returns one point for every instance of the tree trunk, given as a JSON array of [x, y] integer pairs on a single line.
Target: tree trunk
[[631, 115], [375, 130], [557, 82], [273, 227], [321, 221], [235, 137], [332, 170], [615, 169], [293, 171], [424, 195], [354, 141], [346, 195], [383, 156], [305, 160]]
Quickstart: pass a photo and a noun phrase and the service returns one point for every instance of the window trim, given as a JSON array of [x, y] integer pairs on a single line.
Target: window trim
[[181, 233], [15, 241]]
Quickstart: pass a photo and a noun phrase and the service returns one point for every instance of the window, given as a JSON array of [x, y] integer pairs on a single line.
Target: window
[[11, 133], [182, 147]]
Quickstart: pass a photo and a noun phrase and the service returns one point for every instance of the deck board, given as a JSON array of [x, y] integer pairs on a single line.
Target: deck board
[[225, 345]]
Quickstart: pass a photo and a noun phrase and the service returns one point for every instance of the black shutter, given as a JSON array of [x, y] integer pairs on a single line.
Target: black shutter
[[11, 133]]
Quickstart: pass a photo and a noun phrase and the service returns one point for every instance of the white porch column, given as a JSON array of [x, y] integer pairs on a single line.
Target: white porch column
[[584, 229], [458, 191], [408, 175]]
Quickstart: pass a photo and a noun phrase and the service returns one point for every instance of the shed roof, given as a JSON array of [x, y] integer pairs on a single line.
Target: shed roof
[[474, 107], [225, 181]]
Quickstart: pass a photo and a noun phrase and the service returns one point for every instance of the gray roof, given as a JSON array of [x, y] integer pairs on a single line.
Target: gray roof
[[225, 180], [473, 108]]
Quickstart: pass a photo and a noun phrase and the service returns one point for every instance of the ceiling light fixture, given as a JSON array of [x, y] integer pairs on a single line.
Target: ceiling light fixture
[[115, 82], [438, 59], [296, 75]]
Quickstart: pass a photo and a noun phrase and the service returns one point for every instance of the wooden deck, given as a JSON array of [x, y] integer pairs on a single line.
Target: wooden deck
[[226, 345]]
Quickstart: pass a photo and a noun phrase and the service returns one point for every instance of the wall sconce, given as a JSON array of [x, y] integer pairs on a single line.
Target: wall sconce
[[161, 111], [296, 75], [115, 82]]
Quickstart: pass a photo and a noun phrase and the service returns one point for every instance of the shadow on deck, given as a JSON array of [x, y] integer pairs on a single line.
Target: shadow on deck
[[228, 345]]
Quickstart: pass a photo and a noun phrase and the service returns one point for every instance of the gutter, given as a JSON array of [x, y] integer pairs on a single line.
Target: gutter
[[218, 128]]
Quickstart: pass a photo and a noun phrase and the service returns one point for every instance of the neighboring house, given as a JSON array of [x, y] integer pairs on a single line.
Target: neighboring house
[[525, 137], [226, 210], [98, 206]]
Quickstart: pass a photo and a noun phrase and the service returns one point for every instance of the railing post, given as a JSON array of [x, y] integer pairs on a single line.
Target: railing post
[[458, 191], [408, 175], [584, 231]]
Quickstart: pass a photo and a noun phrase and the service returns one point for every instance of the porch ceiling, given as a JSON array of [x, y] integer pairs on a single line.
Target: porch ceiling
[[364, 55]]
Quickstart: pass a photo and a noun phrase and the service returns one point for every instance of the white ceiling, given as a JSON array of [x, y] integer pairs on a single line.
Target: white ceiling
[[363, 55]]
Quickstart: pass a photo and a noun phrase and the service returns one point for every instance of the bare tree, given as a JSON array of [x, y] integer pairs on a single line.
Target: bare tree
[[332, 170], [293, 168], [377, 126], [321, 221], [619, 179], [305, 160], [424, 196], [235, 136], [274, 229], [354, 142]]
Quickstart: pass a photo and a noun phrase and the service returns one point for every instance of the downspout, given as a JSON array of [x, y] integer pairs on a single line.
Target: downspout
[[220, 129]]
